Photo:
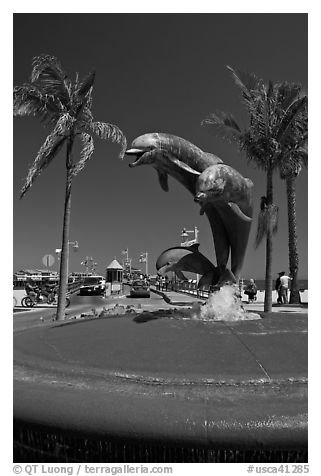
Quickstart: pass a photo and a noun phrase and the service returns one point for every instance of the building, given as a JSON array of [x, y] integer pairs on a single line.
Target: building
[[114, 277], [37, 275]]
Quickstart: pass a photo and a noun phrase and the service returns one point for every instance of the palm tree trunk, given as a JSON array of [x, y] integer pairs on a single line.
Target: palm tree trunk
[[269, 245], [293, 241], [63, 276]]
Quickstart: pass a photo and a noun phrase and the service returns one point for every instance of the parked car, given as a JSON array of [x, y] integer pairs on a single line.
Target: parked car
[[139, 289], [93, 285]]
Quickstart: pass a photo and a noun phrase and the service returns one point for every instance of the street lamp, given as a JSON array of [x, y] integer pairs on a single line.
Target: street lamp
[[188, 242], [144, 259], [89, 263], [185, 234], [127, 262]]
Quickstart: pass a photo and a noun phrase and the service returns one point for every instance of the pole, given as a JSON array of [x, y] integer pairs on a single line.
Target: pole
[[196, 234], [146, 254]]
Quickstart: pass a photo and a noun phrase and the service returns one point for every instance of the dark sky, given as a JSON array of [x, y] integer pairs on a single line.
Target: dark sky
[[155, 73]]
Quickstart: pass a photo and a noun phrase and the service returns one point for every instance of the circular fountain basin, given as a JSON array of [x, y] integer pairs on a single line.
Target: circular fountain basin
[[167, 382]]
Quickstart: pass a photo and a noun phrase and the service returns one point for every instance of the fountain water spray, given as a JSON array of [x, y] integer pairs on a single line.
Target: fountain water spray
[[223, 305]]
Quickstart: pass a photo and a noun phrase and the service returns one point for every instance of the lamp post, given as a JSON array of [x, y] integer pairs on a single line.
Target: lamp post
[[127, 262], [144, 259], [187, 242], [185, 233], [89, 263]]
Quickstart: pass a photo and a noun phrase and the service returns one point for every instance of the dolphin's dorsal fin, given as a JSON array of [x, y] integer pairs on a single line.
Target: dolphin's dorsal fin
[[163, 179], [236, 209], [184, 166], [193, 247]]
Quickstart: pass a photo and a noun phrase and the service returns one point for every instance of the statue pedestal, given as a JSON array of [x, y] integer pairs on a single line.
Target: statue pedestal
[[164, 389]]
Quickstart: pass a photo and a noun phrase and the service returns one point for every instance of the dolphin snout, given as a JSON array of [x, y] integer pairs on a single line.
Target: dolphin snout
[[199, 197], [134, 152]]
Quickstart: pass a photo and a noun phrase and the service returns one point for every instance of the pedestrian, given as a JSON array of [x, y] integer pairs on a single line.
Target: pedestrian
[[251, 291], [284, 287], [278, 288]]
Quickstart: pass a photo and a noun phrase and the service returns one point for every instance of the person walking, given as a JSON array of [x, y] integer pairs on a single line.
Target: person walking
[[251, 291], [284, 287], [278, 288]]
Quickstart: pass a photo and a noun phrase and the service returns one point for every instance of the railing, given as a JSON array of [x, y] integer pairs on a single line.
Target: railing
[[186, 288], [72, 287], [191, 288], [75, 286]]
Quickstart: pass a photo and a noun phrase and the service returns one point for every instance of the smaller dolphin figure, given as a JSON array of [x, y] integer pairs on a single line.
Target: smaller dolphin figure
[[189, 259], [226, 196]]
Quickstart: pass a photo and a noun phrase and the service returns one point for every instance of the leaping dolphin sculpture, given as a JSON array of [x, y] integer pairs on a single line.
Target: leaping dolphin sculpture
[[171, 155], [180, 258], [189, 259], [230, 216]]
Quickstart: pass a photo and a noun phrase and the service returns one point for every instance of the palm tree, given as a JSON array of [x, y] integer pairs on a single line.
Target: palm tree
[[294, 157], [272, 109], [65, 106]]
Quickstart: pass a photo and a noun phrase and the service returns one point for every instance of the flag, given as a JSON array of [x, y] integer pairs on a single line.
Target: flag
[[143, 258]]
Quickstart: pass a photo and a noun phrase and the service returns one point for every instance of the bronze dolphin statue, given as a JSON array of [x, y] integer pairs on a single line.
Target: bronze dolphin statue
[[187, 258], [172, 155], [226, 196]]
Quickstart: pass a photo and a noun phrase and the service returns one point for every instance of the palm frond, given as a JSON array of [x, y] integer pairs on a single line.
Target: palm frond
[[293, 110], [48, 75], [267, 219], [224, 125], [248, 83], [86, 84], [29, 100], [85, 154], [43, 64], [270, 89], [64, 124], [49, 149], [286, 94], [303, 154], [110, 132], [46, 154]]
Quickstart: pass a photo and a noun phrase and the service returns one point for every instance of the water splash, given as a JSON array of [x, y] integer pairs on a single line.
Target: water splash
[[223, 305]]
